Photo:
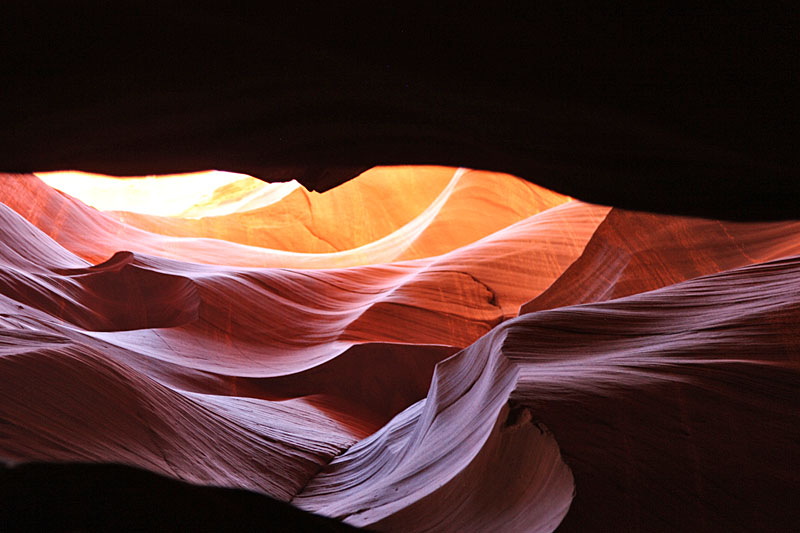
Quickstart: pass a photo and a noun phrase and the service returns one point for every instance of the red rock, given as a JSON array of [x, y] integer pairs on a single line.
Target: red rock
[[363, 358]]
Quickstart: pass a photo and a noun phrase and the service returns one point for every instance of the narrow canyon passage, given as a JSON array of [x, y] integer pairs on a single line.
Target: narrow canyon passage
[[421, 348]]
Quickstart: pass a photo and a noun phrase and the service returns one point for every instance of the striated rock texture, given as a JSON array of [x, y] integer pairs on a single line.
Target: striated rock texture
[[419, 349]]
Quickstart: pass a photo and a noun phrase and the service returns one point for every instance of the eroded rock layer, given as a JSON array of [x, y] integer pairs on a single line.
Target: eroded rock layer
[[420, 349]]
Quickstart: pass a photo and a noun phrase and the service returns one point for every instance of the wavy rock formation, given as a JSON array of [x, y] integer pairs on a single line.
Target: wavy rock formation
[[445, 210], [661, 251], [479, 355]]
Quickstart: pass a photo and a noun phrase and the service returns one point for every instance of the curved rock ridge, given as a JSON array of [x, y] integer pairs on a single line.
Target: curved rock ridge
[[64, 401], [661, 251], [373, 205], [112, 296], [675, 410], [437, 465], [649, 383], [373, 219], [314, 315]]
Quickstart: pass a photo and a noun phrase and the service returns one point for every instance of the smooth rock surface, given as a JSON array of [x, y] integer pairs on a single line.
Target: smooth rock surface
[[481, 360]]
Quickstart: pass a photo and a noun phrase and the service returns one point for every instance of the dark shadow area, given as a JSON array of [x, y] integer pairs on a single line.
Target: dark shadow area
[[93, 497], [686, 113]]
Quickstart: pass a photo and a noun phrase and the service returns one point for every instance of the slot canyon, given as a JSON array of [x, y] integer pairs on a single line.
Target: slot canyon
[[452, 274]]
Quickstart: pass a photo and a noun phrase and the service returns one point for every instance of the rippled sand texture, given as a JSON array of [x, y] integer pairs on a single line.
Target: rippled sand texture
[[419, 349]]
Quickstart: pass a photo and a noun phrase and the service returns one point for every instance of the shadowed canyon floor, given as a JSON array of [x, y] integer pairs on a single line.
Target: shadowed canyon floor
[[418, 349]]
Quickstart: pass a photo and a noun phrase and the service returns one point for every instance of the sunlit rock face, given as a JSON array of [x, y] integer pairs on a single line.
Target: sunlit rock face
[[418, 349]]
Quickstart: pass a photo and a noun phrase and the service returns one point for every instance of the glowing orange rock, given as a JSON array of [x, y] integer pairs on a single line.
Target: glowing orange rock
[[359, 353]]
